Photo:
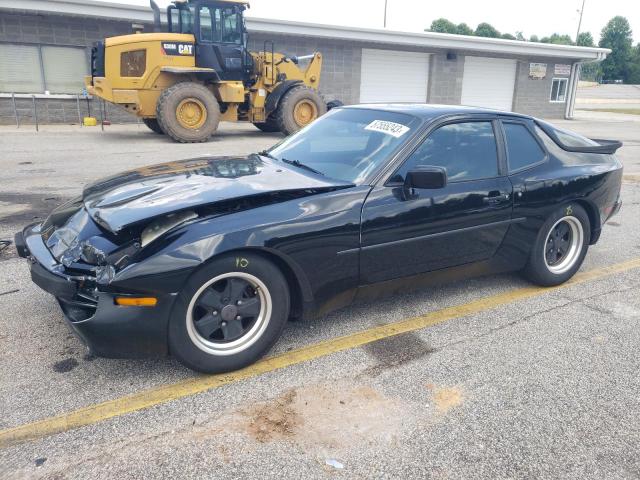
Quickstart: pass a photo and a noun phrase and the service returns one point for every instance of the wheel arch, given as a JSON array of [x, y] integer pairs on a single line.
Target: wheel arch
[[297, 281], [273, 99], [594, 218]]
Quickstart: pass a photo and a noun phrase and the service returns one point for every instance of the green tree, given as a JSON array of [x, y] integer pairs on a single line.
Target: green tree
[[507, 36], [585, 39], [520, 36], [616, 35], [557, 39], [486, 30], [634, 66], [590, 72], [534, 38], [464, 29], [442, 25]]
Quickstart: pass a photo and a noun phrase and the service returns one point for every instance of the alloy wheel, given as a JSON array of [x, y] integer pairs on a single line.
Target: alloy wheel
[[228, 313], [563, 244]]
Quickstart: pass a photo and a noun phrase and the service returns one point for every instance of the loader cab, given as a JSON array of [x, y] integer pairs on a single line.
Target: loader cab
[[220, 34]]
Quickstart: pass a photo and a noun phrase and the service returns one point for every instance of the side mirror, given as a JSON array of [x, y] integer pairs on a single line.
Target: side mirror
[[426, 177]]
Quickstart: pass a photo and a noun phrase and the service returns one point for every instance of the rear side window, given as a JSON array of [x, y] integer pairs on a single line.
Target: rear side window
[[466, 150], [573, 158], [522, 149], [572, 139]]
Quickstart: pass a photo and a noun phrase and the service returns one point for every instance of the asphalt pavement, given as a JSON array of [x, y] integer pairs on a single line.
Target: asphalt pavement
[[491, 379]]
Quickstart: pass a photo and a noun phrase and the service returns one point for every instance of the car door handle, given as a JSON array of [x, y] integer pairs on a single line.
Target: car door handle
[[494, 199]]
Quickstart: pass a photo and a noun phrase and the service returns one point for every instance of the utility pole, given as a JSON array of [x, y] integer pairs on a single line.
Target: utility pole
[[385, 13], [580, 21]]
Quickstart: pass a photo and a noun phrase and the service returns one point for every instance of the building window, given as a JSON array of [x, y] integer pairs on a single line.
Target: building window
[[64, 69], [559, 89], [42, 68], [20, 70]]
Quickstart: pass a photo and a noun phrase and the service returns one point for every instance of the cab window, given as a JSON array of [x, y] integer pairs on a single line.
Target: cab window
[[206, 24], [467, 150], [220, 25], [186, 20], [174, 19], [231, 26]]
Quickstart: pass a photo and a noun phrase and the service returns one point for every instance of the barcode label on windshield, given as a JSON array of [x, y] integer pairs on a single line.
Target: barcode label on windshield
[[390, 128]]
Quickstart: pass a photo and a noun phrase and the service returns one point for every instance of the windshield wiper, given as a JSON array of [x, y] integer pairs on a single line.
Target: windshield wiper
[[299, 164]]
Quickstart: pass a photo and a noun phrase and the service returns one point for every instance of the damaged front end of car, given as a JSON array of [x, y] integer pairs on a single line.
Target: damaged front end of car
[[76, 260], [115, 258]]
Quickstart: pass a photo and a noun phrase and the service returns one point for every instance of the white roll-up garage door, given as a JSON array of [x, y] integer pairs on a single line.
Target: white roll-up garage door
[[393, 76], [488, 82]]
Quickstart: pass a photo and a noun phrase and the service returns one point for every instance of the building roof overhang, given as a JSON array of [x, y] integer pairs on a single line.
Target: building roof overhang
[[481, 45]]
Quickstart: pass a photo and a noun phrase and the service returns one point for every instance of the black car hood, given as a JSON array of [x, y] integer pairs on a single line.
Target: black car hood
[[138, 195]]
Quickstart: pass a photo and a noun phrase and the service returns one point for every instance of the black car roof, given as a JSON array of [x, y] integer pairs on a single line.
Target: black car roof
[[427, 111]]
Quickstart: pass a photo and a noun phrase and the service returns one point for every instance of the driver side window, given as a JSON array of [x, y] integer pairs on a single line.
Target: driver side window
[[231, 26], [467, 150]]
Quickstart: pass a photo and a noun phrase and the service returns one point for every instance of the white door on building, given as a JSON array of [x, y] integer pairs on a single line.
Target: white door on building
[[393, 76], [488, 82]]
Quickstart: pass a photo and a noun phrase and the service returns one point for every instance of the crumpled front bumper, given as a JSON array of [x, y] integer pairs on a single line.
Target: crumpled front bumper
[[108, 330]]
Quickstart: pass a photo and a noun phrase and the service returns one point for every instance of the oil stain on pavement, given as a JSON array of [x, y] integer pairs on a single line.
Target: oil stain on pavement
[[25, 208], [66, 365], [395, 351]]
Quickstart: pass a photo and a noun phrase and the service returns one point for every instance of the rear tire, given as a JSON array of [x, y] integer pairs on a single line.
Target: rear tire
[[229, 313], [560, 246], [153, 125], [188, 112], [270, 126], [298, 108]]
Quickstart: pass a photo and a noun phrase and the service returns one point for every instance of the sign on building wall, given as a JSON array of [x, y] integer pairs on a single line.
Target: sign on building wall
[[562, 69], [537, 71]]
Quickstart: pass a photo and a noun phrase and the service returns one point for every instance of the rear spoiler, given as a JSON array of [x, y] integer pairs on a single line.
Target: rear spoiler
[[605, 147]]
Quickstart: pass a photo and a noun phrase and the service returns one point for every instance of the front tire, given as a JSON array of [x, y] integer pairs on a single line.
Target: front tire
[[560, 246], [188, 112], [298, 108], [270, 126], [229, 314], [153, 125]]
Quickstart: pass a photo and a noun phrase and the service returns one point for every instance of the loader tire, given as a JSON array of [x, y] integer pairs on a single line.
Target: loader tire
[[299, 107], [188, 112], [270, 126], [153, 125]]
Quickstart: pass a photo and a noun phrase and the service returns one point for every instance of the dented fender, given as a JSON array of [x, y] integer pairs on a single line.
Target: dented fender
[[298, 232]]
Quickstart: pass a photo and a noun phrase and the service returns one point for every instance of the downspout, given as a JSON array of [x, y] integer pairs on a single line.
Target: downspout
[[572, 88], [573, 84]]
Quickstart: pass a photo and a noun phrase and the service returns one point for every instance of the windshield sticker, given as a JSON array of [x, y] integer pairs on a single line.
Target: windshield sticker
[[390, 128]]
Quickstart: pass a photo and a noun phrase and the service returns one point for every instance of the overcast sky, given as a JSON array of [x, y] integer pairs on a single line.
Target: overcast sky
[[539, 17]]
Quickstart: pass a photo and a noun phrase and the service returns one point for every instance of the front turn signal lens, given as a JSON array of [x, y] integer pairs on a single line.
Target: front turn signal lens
[[136, 301]]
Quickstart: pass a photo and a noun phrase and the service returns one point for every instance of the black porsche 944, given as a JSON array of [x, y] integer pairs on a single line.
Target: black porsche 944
[[207, 258]]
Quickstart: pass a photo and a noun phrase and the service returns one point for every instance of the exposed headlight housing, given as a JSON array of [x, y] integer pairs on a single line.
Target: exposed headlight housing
[[162, 225]]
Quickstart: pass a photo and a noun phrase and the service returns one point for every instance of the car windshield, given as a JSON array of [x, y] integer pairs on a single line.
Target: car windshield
[[347, 143]]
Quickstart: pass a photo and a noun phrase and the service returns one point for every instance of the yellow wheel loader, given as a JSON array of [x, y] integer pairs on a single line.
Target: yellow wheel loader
[[183, 82]]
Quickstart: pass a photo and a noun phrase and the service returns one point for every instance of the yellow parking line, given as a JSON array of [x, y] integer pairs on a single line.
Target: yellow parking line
[[166, 393]]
